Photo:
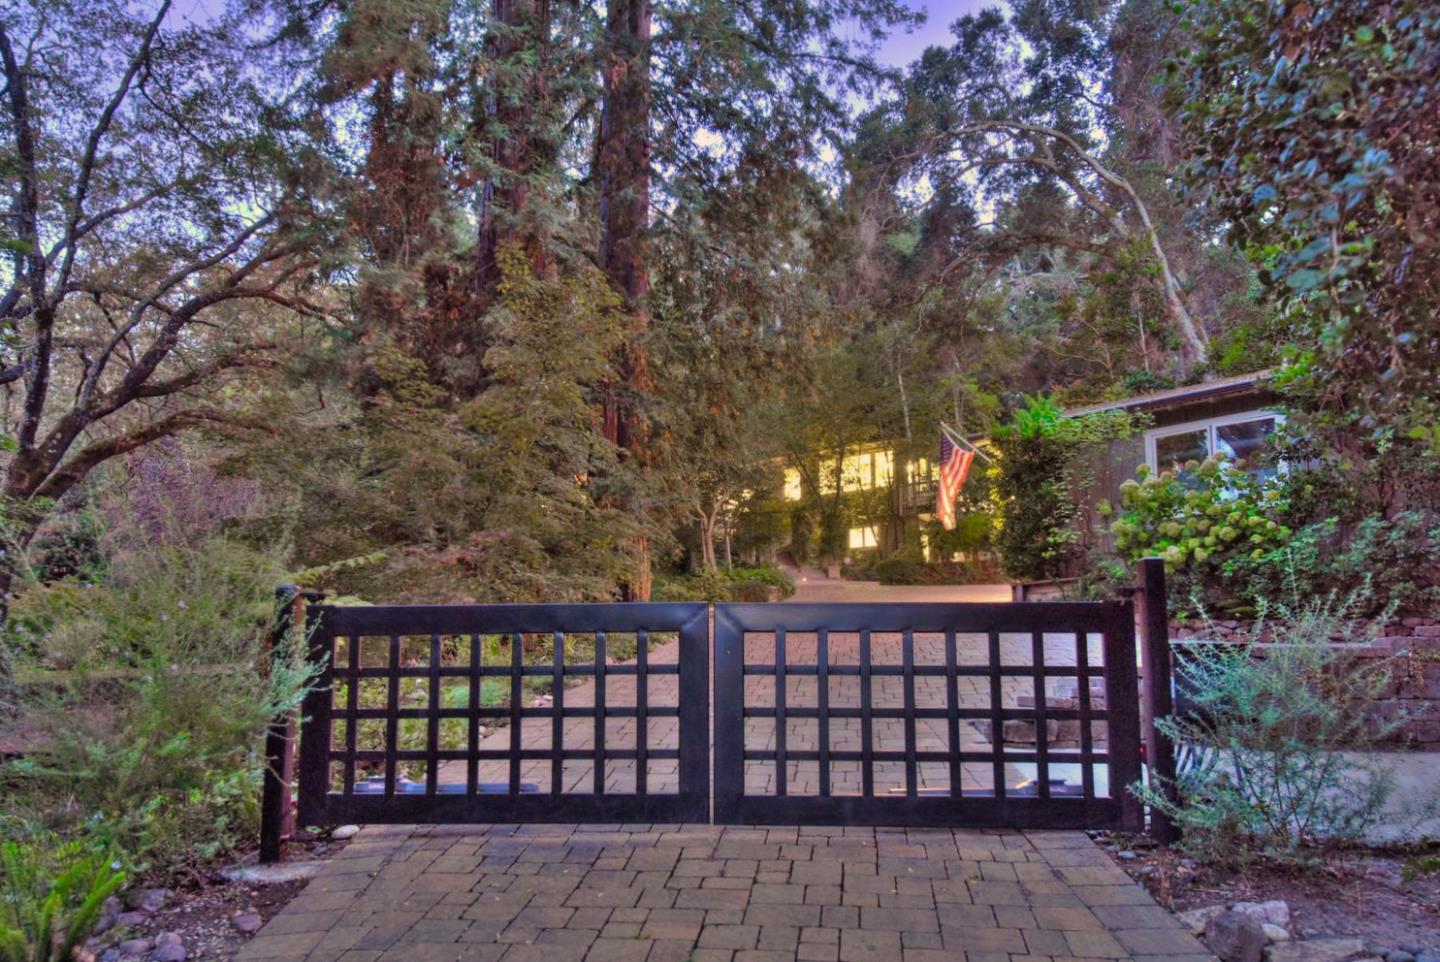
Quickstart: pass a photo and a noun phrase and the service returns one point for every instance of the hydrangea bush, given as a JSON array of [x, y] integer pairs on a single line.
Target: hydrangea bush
[[1199, 519]]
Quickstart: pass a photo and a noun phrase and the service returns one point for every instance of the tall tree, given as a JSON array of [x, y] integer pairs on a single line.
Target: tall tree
[[1316, 139], [155, 185], [1019, 119]]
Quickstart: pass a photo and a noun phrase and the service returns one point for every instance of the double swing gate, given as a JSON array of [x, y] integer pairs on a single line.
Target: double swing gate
[[1000, 715]]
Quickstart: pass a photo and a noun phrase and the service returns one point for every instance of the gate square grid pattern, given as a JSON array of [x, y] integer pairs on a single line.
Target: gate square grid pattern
[[686, 893], [930, 697]]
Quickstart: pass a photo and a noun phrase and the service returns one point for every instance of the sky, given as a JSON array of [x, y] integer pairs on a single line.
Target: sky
[[898, 50], [902, 48]]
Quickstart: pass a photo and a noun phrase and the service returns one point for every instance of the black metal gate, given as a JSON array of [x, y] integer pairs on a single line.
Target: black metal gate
[[1009, 715], [394, 729], [1017, 715]]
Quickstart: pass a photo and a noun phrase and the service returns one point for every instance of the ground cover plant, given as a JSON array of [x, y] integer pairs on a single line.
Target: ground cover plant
[[51, 897]]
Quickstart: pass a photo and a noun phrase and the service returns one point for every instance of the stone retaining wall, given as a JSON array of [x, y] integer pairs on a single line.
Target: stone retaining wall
[[1414, 690]]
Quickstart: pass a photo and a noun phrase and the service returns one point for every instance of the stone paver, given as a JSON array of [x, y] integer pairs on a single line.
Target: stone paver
[[613, 893]]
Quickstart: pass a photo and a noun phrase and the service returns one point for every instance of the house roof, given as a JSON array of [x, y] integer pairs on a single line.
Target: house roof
[[1178, 396]]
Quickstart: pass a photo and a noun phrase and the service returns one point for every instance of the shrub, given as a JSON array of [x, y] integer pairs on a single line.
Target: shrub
[[734, 584], [46, 915], [900, 568], [1277, 737], [1039, 482], [149, 740], [1331, 556], [1199, 520]]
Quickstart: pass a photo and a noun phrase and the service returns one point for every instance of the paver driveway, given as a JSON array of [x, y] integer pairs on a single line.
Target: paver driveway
[[540, 893], [723, 894]]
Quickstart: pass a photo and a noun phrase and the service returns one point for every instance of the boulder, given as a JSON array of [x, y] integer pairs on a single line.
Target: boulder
[[1275, 911], [1195, 919], [1319, 950], [153, 900], [247, 923], [1275, 933], [169, 947], [273, 874], [1235, 937]]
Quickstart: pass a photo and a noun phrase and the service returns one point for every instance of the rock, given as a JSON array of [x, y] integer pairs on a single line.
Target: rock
[[1195, 919], [1427, 957], [273, 874], [132, 920], [1275, 911], [169, 947], [1235, 937], [1319, 950], [133, 948], [248, 923], [1400, 955], [1126, 855], [153, 900], [1275, 933], [109, 955], [345, 831]]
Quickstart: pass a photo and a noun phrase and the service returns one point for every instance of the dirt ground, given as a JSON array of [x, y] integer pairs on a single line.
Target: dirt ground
[[1390, 900], [203, 911]]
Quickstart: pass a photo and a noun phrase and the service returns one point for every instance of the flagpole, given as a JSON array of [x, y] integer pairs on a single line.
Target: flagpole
[[958, 439]]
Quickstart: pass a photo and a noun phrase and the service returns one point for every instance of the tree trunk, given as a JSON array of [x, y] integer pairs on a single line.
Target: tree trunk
[[707, 542], [519, 151], [623, 169]]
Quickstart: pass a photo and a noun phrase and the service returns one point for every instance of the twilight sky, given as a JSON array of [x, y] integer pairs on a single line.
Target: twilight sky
[[903, 48], [899, 50]]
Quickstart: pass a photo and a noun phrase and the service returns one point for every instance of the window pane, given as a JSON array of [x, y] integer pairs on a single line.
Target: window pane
[[1241, 441], [1173, 450]]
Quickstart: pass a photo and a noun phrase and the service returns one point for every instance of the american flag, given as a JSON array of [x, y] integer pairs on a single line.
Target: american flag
[[954, 466]]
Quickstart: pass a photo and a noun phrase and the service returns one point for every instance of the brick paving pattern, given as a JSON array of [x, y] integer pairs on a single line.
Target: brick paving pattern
[[639, 893]]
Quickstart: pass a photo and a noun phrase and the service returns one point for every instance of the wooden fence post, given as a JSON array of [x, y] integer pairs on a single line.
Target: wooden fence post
[[277, 809], [1158, 699]]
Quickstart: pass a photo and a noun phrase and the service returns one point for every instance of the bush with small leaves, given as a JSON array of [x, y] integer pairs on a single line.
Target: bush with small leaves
[[1277, 730]]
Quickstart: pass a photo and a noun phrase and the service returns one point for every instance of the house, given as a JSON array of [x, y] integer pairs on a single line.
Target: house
[[891, 498], [1234, 416]]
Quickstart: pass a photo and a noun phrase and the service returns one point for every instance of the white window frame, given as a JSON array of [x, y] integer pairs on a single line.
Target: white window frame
[[1208, 425]]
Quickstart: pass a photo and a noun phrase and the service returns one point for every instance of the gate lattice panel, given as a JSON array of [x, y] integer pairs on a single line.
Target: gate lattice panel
[[1020, 715], [393, 729]]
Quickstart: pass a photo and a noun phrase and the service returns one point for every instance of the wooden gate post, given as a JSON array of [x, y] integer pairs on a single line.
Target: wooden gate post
[[1158, 699], [277, 809]]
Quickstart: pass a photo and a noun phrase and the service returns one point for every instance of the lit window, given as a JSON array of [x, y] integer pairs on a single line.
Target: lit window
[[862, 537], [794, 491], [1239, 438]]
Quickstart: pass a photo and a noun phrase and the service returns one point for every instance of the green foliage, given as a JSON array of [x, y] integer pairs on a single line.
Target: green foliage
[[726, 584], [1201, 518], [1327, 556], [1281, 734], [51, 896], [1313, 130], [901, 568], [510, 494], [148, 740], [1038, 483]]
